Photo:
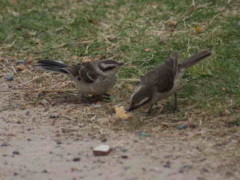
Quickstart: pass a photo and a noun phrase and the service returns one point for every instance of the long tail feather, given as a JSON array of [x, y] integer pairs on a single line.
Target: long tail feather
[[52, 66], [195, 59]]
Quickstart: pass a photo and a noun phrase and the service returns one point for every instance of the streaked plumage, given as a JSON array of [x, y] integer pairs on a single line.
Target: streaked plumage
[[162, 81], [94, 78]]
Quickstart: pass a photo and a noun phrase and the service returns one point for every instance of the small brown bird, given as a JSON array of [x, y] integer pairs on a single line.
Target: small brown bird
[[92, 78], [163, 81]]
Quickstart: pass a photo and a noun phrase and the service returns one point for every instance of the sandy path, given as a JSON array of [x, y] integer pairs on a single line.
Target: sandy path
[[46, 153], [45, 137]]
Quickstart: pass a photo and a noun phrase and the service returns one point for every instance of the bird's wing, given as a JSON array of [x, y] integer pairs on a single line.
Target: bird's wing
[[84, 72], [162, 77]]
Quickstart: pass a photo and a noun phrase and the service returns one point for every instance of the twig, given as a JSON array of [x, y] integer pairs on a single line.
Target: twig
[[193, 3], [42, 90], [214, 18], [53, 90], [4, 98], [86, 50], [14, 70], [68, 118], [128, 79], [26, 82]]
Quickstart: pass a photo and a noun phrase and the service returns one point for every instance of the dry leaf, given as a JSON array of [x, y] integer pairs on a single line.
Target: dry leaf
[[74, 58], [2, 59], [21, 67], [86, 59], [103, 121], [227, 112], [121, 112], [172, 22], [200, 29]]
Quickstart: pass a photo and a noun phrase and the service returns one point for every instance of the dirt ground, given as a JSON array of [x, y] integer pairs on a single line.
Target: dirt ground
[[51, 135]]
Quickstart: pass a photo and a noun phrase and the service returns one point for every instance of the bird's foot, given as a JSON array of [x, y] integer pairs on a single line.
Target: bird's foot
[[94, 99], [176, 110]]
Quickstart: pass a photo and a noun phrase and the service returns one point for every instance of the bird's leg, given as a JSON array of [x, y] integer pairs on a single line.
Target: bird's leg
[[84, 99], [150, 109], [106, 96], [96, 98], [175, 108]]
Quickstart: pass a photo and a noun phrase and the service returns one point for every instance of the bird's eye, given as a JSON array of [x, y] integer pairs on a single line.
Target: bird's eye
[[78, 78]]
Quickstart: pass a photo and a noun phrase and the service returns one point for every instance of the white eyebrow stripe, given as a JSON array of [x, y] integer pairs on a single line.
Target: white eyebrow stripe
[[135, 91], [108, 65], [142, 101]]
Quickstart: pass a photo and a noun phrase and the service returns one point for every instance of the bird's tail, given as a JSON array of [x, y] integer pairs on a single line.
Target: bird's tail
[[195, 59], [52, 66]]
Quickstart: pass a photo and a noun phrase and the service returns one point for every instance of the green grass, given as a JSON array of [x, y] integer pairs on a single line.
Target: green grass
[[137, 32]]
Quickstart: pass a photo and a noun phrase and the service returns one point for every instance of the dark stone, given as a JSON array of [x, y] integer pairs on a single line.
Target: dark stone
[[182, 126], [27, 113], [45, 171], [9, 77], [15, 153], [76, 159], [54, 116], [4, 144], [104, 140], [184, 168], [167, 164], [124, 157], [21, 62], [59, 142]]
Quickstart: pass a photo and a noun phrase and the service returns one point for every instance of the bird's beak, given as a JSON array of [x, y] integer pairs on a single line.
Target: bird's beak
[[130, 109]]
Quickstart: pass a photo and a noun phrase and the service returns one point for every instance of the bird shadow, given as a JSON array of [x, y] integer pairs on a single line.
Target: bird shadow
[[72, 98]]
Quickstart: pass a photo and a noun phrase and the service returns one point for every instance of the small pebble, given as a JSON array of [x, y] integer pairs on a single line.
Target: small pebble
[[42, 94], [76, 159], [101, 150], [4, 144], [143, 134], [59, 142], [15, 153], [124, 157], [54, 116], [21, 61], [126, 167], [123, 149], [9, 77], [27, 113], [104, 140], [16, 105], [182, 126], [185, 168], [44, 171], [167, 164]]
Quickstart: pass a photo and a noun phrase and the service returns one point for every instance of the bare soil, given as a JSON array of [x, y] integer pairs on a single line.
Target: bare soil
[[50, 135]]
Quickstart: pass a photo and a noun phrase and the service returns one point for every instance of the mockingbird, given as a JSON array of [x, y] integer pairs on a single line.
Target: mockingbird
[[163, 81], [92, 78]]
